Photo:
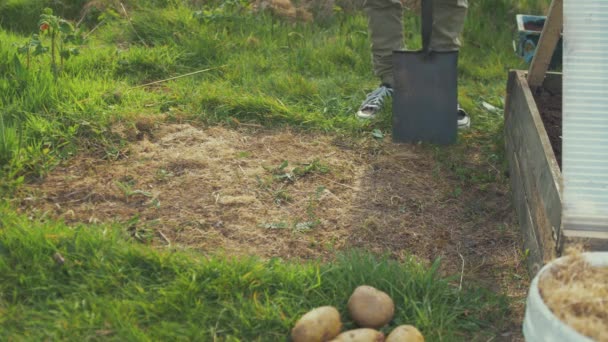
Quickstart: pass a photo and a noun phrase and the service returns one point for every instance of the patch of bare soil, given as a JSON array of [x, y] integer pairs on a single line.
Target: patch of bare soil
[[291, 195]]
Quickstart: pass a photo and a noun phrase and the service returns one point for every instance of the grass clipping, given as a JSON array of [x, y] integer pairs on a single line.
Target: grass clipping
[[577, 293]]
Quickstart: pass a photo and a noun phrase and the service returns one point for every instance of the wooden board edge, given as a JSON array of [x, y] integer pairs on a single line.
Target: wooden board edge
[[591, 241], [532, 250], [544, 137], [511, 80], [541, 192], [547, 42]]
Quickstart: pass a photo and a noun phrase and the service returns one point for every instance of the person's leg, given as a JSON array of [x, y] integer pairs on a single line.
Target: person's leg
[[385, 24], [448, 22], [386, 32]]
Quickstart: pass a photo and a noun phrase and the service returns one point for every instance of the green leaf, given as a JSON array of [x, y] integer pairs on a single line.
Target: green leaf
[[18, 66], [75, 37], [65, 54], [65, 27], [376, 133], [80, 40], [75, 51], [275, 225], [108, 14], [305, 226], [47, 11], [39, 50], [457, 191]]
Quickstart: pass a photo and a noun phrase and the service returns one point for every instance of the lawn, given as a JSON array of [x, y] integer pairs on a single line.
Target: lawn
[[195, 171]]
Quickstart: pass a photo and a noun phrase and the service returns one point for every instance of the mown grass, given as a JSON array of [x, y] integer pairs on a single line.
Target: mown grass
[[110, 288], [263, 69]]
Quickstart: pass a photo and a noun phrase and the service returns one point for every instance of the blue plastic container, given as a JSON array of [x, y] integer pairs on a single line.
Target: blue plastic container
[[529, 29]]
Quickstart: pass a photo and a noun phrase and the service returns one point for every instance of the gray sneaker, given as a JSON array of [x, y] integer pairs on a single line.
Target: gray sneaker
[[464, 121], [374, 101]]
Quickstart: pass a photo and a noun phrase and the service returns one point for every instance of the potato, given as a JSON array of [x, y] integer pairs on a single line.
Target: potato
[[370, 307], [360, 335], [320, 324], [405, 333]]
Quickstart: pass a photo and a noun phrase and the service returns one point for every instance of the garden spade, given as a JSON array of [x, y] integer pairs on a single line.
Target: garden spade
[[425, 96]]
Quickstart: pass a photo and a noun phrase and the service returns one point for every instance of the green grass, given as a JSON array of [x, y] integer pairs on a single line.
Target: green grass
[[266, 70], [114, 289]]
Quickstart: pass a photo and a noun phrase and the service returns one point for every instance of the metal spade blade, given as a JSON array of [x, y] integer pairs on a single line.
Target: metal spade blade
[[425, 96]]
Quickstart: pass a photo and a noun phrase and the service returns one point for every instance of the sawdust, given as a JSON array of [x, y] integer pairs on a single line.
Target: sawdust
[[577, 293], [253, 191]]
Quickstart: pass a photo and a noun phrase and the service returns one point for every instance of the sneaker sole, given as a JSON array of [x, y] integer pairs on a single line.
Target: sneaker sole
[[362, 115]]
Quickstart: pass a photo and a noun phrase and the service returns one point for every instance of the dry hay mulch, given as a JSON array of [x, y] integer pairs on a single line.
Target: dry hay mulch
[[228, 190], [577, 293], [309, 10], [285, 9]]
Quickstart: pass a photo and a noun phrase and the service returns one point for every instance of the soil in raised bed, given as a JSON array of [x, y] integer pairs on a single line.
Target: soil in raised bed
[[550, 107]]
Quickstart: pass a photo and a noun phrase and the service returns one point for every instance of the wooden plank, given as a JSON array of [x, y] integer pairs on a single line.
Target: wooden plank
[[591, 241], [536, 180], [552, 180], [532, 250], [538, 169], [546, 45]]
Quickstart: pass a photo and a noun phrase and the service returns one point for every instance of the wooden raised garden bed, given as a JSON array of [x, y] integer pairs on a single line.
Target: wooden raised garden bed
[[536, 179], [533, 147]]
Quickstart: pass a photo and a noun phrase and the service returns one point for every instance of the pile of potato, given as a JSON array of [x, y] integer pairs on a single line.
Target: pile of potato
[[369, 307]]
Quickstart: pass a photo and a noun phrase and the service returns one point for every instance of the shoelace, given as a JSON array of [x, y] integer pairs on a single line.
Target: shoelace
[[376, 97]]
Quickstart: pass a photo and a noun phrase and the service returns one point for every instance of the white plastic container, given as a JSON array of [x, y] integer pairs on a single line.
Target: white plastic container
[[540, 324]]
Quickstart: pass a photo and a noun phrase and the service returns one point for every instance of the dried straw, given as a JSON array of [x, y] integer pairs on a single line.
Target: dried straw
[[577, 293]]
